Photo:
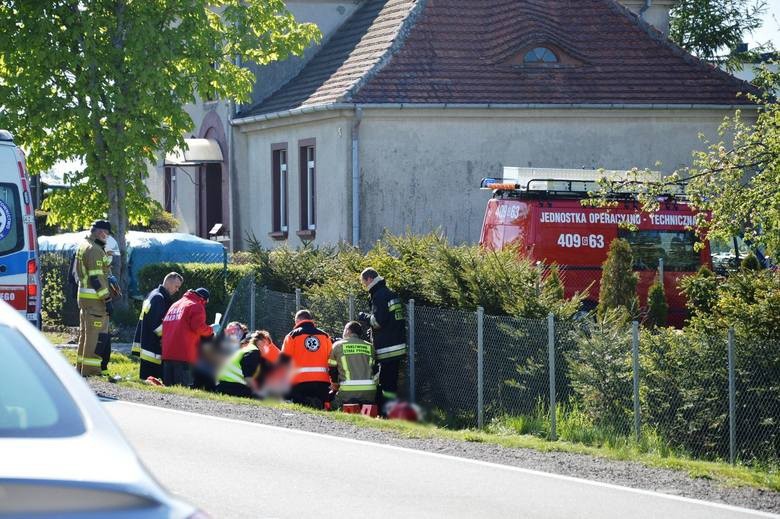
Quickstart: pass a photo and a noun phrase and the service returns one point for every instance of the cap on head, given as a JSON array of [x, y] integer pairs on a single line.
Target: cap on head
[[203, 293], [103, 225]]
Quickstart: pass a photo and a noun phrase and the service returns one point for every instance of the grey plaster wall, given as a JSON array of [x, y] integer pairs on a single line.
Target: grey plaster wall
[[421, 168]]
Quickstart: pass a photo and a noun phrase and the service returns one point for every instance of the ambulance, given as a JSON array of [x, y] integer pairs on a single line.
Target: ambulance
[[541, 211], [19, 278]]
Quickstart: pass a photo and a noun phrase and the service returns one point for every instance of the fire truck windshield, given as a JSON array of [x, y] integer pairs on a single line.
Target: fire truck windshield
[[675, 247]]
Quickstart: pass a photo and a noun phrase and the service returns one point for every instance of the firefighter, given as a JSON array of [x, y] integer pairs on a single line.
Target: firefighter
[[94, 300], [147, 343], [308, 349], [353, 368], [388, 330], [183, 327], [244, 373]]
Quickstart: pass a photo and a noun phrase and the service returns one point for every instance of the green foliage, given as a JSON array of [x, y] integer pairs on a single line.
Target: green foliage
[[732, 183], [685, 372], [657, 307], [600, 370], [700, 291], [424, 268], [750, 262], [710, 29], [207, 275], [159, 221], [618, 280], [107, 82], [56, 307]]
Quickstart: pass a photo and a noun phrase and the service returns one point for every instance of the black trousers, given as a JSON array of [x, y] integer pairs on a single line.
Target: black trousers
[[233, 389], [177, 373], [310, 394], [150, 369], [388, 378]]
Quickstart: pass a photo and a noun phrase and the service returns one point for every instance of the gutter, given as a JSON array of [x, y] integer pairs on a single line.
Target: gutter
[[486, 106], [356, 177]]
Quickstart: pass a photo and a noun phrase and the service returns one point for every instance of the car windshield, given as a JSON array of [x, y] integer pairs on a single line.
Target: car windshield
[[11, 237], [33, 402], [675, 247]]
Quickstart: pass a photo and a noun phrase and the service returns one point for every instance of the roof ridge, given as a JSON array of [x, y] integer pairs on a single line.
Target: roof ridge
[[404, 29], [665, 41]]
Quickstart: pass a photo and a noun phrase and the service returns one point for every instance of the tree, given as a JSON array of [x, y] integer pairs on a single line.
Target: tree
[[732, 183], [657, 307], [618, 280], [711, 29], [106, 81]]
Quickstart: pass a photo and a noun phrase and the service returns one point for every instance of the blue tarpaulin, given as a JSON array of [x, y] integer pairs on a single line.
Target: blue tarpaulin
[[145, 248]]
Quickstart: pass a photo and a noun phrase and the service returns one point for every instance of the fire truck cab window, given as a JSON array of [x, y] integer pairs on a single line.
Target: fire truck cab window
[[675, 247]]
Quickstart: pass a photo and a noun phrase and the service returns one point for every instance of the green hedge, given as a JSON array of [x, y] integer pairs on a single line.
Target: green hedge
[[211, 276]]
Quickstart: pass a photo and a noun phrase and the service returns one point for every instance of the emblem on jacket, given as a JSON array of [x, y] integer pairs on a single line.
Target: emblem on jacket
[[312, 343]]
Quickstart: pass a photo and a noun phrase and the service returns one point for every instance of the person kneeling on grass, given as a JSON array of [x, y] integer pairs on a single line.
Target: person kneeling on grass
[[245, 372], [353, 368]]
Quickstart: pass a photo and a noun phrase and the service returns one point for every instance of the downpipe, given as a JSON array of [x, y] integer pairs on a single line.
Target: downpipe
[[356, 176]]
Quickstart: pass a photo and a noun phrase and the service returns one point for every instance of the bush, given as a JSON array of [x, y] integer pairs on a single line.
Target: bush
[[700, 291], [421, 267], [618, 280], [160, 221], [750, 262], [208, 275], [657, 307], [601, 373]]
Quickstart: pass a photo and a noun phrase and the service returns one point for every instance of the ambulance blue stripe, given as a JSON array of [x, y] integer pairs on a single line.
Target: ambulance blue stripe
[[15, 263]]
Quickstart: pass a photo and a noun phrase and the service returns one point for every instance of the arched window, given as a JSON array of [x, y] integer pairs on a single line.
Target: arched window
[[540, 55]]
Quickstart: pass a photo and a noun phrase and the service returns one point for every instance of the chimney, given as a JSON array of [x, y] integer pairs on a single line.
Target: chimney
[[654, 12]]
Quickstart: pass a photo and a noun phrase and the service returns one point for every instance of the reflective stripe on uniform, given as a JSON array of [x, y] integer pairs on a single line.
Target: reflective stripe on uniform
[[357, 385], [95, 272], [150, 356], [88, 361], [310, 370], [231, 374], [158, 331], [389, 395], [391, 351], [345, 365], [136, 349], [332, 362]]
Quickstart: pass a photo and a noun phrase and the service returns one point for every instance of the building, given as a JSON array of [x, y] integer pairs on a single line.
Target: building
[[393, 119]]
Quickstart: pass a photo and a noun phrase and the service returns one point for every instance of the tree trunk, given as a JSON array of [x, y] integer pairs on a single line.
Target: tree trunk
[[117, 215]]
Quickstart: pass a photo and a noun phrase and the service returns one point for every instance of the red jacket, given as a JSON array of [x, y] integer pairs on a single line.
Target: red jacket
[[183, 326]]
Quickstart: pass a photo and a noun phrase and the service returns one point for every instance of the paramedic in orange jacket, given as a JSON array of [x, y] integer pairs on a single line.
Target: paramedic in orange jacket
[[308, 349]]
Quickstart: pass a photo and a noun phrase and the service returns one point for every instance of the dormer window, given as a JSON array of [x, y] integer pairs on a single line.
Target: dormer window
[[539, 56]]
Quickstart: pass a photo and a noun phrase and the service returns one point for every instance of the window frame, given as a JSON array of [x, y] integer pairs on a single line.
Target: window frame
[[541, 62], [280, 192], [307, 178]]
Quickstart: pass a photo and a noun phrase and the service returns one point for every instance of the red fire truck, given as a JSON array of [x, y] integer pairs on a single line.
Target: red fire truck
[[541, 210]]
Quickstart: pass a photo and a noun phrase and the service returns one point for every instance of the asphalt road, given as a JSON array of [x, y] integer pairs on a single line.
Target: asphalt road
[[241, 469]]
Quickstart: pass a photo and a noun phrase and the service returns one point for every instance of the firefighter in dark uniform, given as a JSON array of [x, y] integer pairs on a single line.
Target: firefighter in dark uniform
[[388, 329], [94, 300], [353, 368], [147, 343], [245, 372]]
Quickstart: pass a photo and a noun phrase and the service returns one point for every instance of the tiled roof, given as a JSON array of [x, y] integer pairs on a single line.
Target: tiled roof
[[467, 51], [345, 59]]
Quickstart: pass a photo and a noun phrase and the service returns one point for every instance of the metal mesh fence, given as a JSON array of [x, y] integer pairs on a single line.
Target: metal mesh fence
[[683, 380]]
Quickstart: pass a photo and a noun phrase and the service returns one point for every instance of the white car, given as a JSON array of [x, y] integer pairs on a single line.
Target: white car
[[60, 453]]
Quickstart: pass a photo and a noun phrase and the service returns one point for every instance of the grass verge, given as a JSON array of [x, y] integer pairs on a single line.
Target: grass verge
[[515, 432]]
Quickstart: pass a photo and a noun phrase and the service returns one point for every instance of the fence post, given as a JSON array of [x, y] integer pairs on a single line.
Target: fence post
[[635, 369], [551, 368], [661, 270], [351, 307], [480, 368], [412, 395], [732, 401], [252, 297], [297, 299], [224, 270]]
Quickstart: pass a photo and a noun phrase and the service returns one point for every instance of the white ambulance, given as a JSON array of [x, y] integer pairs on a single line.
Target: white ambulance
[[19, 279]]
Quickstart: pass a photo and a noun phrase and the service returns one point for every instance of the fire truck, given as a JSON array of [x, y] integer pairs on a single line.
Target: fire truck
[[541, 211]]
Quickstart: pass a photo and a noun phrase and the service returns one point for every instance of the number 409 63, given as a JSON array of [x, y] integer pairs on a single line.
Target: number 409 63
[[574, 241]]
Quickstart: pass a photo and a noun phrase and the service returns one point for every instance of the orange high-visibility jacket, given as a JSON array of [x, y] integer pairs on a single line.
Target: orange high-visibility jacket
[[308, 348]]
